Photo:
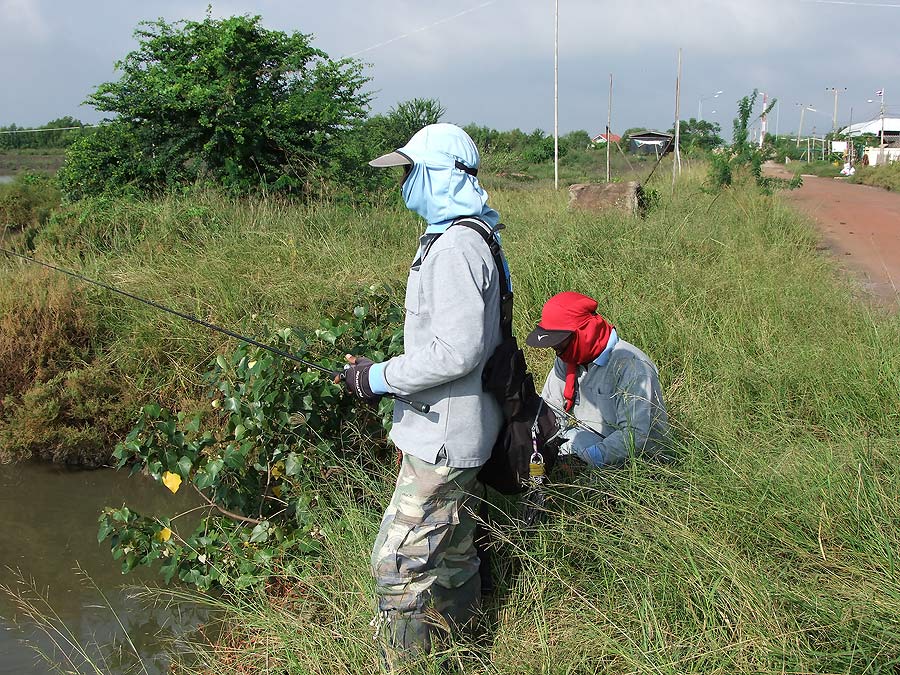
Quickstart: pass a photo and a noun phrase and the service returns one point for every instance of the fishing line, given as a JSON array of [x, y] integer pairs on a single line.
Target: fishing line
[[415, 405], [422, 28]]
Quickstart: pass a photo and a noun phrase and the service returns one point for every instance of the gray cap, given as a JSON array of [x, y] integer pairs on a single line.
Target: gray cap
[[391, 159]]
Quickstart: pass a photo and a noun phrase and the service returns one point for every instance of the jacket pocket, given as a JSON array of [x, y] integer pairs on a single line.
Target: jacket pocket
[[412, 303]]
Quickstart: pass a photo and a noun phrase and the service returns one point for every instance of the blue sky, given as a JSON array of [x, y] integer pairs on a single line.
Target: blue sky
[[491, 61]]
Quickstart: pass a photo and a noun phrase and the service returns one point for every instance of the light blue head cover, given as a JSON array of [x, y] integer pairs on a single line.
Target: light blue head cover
[[435, 188]]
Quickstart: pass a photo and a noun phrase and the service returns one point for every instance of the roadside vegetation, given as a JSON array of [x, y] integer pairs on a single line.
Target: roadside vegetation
[[887, 177], [821, 169], [769, 545]]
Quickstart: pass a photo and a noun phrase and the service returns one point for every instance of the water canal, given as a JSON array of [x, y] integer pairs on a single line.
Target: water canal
[[48, 526]]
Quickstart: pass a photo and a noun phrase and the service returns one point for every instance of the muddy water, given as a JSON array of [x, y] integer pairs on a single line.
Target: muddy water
[[48, 527]]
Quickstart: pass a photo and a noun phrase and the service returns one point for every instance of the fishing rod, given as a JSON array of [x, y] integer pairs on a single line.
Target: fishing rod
[[572, 419], [418, 406]]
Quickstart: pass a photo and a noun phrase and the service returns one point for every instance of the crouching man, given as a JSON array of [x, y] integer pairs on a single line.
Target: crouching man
[[606, 383]]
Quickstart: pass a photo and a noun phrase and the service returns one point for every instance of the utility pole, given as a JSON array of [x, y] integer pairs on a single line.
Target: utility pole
[[835, 91], [676, 165], [608, 123], [762, 121], [556, 100], [803, 109], [777, 117], [880, 92], [850, 139]]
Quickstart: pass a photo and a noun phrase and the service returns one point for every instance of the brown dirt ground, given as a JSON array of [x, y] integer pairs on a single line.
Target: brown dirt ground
[[860, 225]]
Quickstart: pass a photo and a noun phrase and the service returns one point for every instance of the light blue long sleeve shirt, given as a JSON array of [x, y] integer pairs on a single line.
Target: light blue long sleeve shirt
[[619, 396]]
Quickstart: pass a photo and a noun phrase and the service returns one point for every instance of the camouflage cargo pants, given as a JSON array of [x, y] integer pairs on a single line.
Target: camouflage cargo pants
[[424, 560]]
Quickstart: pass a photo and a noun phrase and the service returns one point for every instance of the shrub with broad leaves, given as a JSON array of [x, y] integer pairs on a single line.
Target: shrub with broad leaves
[[261, 462]]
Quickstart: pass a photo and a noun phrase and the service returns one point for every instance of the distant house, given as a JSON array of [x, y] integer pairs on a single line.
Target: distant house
[[651, 142], [603, 139], [891, 129]]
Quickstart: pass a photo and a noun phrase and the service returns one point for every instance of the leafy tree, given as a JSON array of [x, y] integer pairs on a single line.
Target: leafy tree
[[43, 139], [699, 135], [222, 101], [406, 118], [575, 140], [539, 147], [742, 155]]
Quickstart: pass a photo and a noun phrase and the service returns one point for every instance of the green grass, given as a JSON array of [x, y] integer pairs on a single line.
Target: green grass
[[818, 168], [771, 546], [887, 177]]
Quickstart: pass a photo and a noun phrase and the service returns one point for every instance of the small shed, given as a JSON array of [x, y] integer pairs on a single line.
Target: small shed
[[651, 142]]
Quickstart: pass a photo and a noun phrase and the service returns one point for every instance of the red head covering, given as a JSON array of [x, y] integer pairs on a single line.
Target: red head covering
[[590, 333]]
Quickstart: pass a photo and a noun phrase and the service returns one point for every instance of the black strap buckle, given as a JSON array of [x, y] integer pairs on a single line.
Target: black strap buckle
[[462, 167]]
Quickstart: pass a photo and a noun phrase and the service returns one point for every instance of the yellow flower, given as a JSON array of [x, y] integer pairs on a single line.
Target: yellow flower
[[276, 490], [278, 470], [164, 534], [171, 481]]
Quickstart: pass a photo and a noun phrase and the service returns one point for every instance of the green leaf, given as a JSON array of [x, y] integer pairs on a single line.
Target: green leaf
[[292, 464], [202, 480], [184, 466], [104, 530], [260, 533], [213, 467]]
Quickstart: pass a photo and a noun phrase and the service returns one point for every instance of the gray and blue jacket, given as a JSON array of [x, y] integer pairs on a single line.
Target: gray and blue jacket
[[452, 323], [619, 396]]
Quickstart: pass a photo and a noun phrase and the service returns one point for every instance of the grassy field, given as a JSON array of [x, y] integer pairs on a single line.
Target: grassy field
[[13, 162], [770, 546]]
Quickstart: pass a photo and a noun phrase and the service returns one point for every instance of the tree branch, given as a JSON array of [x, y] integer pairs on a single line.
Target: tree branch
[[224, 512]]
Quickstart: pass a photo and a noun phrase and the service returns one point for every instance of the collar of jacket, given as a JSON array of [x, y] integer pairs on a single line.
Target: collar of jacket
[[603, 359]]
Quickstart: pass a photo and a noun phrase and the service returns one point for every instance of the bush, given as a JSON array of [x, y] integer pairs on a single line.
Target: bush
[[278, 426], [28, 201], [73, 418], [58, 401], [887, 177], [45, 329], [220, 101]]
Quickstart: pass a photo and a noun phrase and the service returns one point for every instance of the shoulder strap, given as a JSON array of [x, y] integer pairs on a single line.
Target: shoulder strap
[[506, 296]]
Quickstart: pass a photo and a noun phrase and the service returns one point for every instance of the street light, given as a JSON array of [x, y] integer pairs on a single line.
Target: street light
[[705, 98], [803, 109], [836, 91]]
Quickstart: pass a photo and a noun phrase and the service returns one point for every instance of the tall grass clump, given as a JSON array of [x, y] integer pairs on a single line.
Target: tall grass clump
[[58, 400], [885, 176], [27, 202]]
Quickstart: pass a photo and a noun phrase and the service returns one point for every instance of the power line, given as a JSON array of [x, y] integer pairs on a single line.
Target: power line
[[853, 3], [37, 131], [423, 28]]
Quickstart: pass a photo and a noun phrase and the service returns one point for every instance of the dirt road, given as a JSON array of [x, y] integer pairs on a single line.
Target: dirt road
[[859, 224]]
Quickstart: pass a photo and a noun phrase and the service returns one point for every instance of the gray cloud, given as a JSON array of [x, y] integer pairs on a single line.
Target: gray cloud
[[494, 64]]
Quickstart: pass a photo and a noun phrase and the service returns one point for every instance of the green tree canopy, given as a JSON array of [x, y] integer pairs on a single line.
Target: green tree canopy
[[699, 135], [225, 101]]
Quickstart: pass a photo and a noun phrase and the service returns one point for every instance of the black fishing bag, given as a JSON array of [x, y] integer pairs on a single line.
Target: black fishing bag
[[528, 424]]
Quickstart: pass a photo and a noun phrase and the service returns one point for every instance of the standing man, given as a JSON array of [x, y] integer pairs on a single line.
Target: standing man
[[424, 559], [606, 383]]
